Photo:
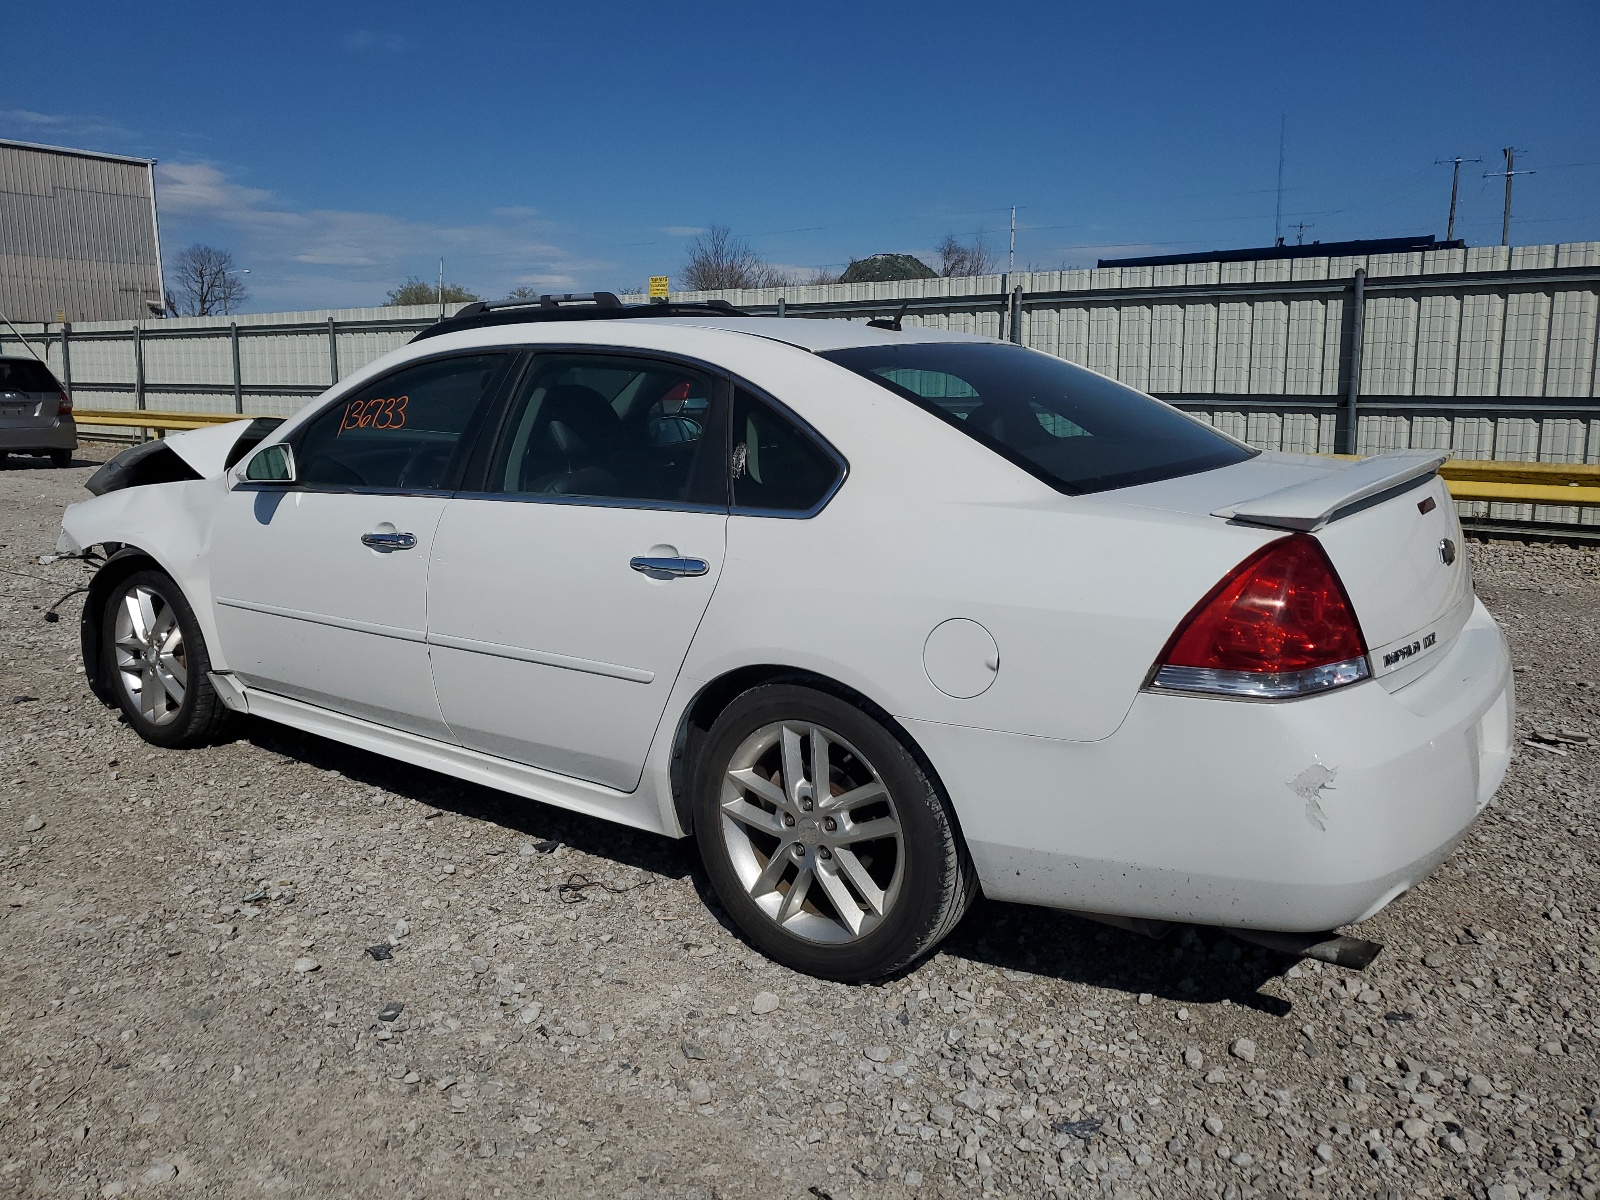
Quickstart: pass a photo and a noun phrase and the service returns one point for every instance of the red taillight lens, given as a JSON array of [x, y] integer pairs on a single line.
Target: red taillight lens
[[1279, 625], [64, 406]]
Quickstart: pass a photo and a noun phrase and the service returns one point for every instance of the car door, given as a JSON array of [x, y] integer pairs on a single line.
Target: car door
[[563, 597], [320, 585]]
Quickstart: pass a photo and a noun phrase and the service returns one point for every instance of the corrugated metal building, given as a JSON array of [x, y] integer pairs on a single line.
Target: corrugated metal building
[[78, 235]]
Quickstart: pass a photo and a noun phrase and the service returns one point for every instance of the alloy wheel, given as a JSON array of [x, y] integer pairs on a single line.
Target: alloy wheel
[[152, 662], [812, 832]]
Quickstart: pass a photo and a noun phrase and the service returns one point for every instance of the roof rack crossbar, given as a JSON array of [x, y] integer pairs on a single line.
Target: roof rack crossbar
[[568, 306]]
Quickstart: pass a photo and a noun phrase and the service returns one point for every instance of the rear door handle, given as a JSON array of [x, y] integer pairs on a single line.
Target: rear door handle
[[669, 566], [388, 543]]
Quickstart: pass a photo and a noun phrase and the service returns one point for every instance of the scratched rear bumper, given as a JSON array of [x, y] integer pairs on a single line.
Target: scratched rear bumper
[[1297, 816]]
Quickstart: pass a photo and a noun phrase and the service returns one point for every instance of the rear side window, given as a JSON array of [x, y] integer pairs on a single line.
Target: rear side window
[[402, 431], [615, 428], [26, 375], [775, 465], [1077, 431]]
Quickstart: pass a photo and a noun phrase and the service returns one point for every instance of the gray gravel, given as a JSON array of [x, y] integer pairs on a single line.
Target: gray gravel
[[285, 966]]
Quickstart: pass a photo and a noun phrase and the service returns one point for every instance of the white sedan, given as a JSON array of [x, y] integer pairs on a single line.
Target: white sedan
[[880, 616]]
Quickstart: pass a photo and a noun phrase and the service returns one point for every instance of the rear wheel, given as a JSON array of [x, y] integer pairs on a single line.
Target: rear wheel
[[61, 458], [825, 840], [157, 663]]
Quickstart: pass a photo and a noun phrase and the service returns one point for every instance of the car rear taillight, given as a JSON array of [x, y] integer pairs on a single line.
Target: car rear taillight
[[64, 406], [1279, 625]]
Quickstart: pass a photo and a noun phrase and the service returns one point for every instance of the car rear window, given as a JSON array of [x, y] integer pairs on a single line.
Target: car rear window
[[1077, 431], [26, 375]]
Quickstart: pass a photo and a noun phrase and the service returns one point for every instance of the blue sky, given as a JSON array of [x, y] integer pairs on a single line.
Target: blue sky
[[336, 148]]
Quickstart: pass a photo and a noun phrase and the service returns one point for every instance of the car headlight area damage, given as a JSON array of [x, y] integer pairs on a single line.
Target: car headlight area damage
[[881, 617]]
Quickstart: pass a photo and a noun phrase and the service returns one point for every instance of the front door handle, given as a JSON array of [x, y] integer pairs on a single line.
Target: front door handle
[[669, 566], [388, 542]]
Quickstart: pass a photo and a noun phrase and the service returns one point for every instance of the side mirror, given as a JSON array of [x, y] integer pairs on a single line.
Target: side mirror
[[271, 464]]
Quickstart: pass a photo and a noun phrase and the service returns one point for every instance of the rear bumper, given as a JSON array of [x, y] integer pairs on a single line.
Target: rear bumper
[[1297, 816], [58, 435]]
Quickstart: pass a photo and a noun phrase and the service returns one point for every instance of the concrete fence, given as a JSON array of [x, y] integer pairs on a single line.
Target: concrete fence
[[1488, 352]]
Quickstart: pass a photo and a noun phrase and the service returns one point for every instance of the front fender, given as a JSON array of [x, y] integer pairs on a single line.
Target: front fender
[[168, 523]]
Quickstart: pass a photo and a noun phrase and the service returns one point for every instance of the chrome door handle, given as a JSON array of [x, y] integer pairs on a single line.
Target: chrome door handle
[[670, 566], [387, 543]]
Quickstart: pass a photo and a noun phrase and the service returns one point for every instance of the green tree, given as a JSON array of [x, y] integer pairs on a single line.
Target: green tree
[[420, 291]]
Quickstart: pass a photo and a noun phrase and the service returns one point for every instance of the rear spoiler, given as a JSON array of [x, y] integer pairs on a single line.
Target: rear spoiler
[[1314, 503]]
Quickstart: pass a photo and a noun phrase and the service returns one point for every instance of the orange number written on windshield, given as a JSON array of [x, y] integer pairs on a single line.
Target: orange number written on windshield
[[380, 413]]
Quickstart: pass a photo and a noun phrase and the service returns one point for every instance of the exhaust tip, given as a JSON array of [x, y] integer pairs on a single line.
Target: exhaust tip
[[1339, 949]]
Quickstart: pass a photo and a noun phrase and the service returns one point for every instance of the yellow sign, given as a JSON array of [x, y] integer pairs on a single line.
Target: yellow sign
[[658, 287], [61, 316]]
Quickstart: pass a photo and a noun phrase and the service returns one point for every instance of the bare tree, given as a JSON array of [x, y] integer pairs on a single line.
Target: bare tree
[[718, 260], [957, 259], [821, 277], [205, 281]]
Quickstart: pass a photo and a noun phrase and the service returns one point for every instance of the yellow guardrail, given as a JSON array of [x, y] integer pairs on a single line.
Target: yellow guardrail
[[146, 419], [1522, 482]]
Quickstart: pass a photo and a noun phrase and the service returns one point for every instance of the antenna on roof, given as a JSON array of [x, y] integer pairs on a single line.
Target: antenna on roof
[[890, 322]]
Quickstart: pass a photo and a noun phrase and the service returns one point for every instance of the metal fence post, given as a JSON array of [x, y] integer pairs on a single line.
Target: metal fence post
[[1005, 303], [780, 306], [238, 377], [66, 356], [1352, 401], [138, 367], [1016, 314], [333, 354]]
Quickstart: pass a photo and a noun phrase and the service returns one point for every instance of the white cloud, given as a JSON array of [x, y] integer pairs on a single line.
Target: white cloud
[[28, 125], [305, 258]]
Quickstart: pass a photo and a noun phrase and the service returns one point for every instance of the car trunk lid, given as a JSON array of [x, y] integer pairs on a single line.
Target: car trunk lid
[[1387, 524]]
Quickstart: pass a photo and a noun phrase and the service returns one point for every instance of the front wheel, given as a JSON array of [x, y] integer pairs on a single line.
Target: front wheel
[[157, 663], [828, 844]]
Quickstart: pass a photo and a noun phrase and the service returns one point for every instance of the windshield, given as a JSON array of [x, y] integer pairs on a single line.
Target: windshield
[[1077, 431], [25, 375]]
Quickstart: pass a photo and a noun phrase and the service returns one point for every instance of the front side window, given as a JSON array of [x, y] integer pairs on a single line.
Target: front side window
[[1077, 431], [614, 428], [402, 431], [776, 467]]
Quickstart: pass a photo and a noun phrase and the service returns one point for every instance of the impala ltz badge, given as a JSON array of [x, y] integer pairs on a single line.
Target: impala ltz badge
[[1447, 551]]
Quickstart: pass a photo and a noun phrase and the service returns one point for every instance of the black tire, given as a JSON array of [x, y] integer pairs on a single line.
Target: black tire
[[201, 716], [933, 884], [61, 458]]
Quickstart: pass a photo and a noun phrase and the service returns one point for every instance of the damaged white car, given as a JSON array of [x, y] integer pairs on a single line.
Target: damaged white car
[[880, 615]]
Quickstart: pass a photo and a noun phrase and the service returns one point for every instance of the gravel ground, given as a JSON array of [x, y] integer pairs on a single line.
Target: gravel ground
[[284, 966]]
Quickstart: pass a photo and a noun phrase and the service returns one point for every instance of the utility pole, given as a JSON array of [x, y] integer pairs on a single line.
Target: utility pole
[[441, 287], [1511, 170], [1300, 228], [1455, 185], [1277, 220], [1011, 262]]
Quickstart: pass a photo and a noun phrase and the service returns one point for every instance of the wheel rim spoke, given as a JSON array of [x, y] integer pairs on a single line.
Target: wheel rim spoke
[[767, 881], [170, 685], [764, 788], [819, 766], [850, 868], [793, 765], [756, 818], [867, 831], [136, 606], [855, 797], [843, 902], [797, 893]]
